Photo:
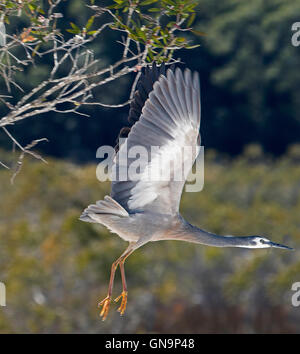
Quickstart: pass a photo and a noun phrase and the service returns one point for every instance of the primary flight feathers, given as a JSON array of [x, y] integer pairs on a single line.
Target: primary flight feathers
[[166, 112], [144, 86]]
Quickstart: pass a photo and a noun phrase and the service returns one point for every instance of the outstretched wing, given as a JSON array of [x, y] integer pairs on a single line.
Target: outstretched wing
[[168, 131], [144, 87]]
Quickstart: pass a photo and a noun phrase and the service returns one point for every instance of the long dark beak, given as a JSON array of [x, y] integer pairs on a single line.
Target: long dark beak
[[278, 245]]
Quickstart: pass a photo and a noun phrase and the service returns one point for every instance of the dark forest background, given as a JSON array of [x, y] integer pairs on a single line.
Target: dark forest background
[[249, 77]]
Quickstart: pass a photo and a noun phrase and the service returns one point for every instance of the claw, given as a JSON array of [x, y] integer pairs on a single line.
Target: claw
[[105, 303], [122, 307]]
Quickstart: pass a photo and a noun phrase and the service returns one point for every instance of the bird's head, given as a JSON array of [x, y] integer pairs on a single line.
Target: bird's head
[[262, 242]]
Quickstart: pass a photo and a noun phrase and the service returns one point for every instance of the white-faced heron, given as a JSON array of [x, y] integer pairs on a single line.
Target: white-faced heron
[[165, 113]]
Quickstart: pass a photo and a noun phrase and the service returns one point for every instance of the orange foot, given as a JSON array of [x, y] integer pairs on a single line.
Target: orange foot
[[122, 308], [105, 303]]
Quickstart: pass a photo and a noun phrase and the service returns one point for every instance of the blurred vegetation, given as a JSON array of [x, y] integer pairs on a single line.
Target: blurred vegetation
[[252, 76], [56, 268]]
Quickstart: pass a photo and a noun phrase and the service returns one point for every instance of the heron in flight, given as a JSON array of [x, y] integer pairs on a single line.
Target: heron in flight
[[165, 112]]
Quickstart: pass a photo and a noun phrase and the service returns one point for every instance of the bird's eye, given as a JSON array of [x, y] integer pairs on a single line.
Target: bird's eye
[[262, 241]]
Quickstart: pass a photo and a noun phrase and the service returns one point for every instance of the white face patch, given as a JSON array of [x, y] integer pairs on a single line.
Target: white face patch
[[258, 242]]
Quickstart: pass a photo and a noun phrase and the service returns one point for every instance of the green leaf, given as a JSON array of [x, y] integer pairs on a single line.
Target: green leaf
[[36, 49], [171, 24], [90, 23], [32, 7], [157, 28], [72, 31], [9, 5], [154, 9], [150, 55], [147, 2], [156, 41], [91, 32], [74, 26], [191, 19], [117, 6], [133, 36], [141, 34], [190, 8], [169, 2]]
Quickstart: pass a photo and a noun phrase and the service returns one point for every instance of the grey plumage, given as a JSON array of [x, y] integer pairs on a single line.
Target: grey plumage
[[166, 112]]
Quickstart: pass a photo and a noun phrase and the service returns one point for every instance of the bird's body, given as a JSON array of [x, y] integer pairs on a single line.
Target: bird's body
[[165, 114], [139, 226]]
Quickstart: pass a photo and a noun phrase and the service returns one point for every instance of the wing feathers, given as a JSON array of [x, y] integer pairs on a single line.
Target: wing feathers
[[106, 206], [163, 92], [173, 95], [170, 120], [180, 86], [189, 93]]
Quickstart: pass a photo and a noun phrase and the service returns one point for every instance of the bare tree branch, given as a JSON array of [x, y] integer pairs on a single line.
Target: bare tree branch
[[74, 72]]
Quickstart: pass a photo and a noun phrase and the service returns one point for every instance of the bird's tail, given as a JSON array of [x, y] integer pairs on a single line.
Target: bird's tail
[[106, 206]]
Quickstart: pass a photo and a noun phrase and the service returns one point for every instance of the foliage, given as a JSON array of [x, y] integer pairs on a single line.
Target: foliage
[[156, 26], [56, 268], [253, 76], [247, 66], [61, 62]]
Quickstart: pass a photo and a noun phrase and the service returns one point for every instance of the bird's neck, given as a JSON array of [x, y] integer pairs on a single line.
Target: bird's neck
[[191, 233]]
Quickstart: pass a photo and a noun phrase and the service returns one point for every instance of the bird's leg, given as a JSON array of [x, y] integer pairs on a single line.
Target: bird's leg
[[107, 300], [124, 293]]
